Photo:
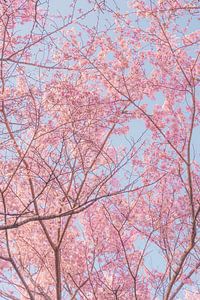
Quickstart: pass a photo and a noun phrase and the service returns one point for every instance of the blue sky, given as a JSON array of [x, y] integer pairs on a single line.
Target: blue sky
[[136, 127]]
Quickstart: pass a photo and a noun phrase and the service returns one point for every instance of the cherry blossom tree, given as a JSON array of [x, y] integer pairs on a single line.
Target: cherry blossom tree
[[99, 126]]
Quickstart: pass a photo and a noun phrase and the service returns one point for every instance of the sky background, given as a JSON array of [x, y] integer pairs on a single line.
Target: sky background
[[136, 127]]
